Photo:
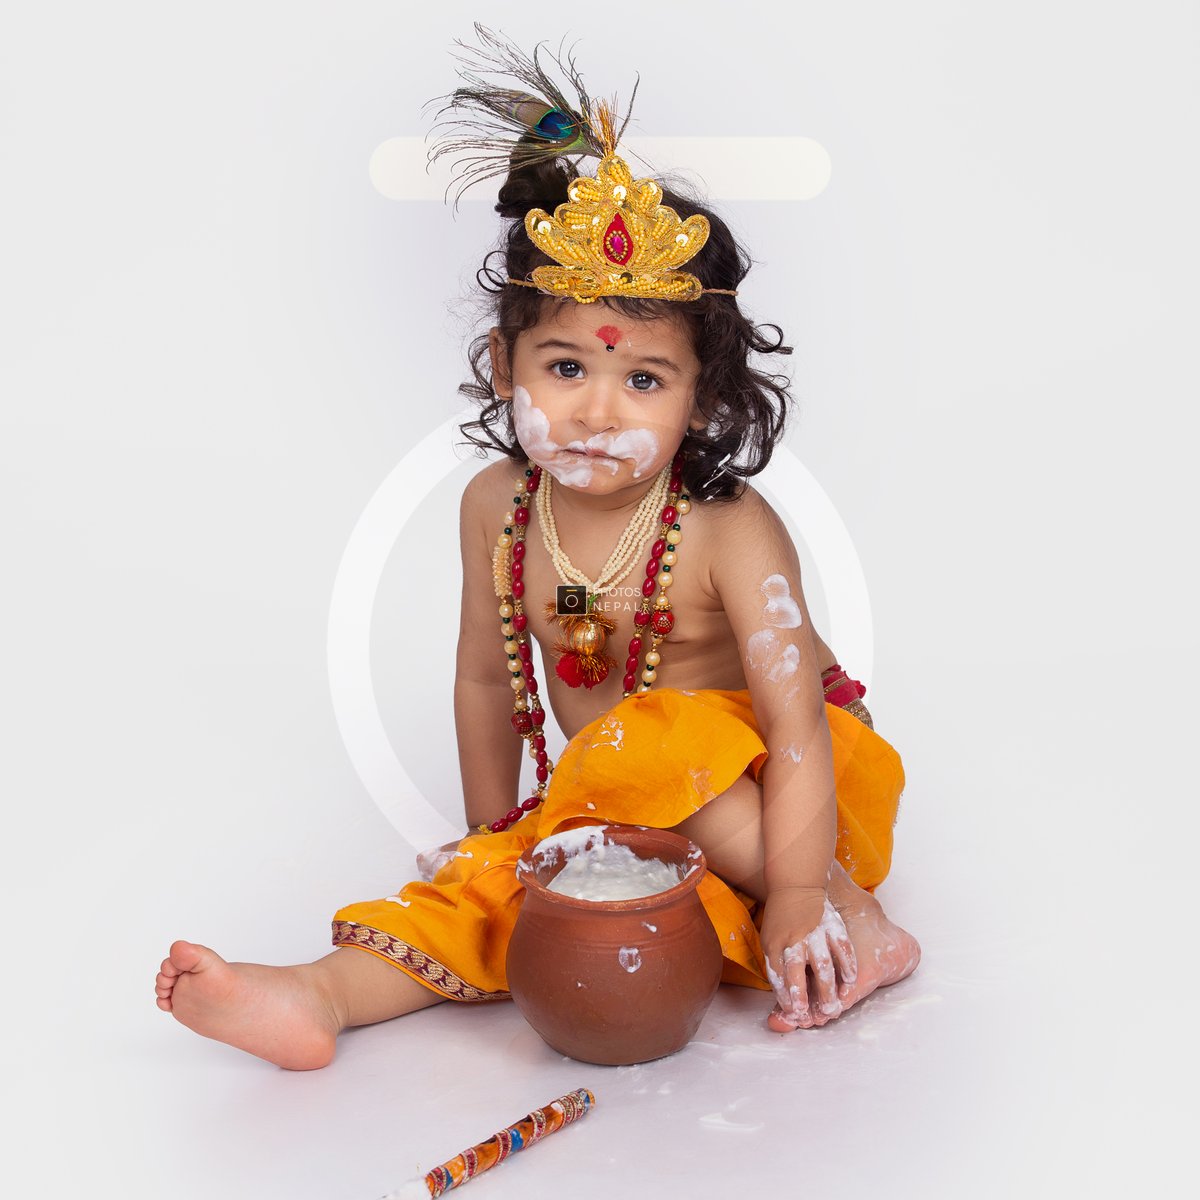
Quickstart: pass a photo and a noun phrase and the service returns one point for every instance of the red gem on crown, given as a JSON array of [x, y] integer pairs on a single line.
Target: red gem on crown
[[618, 245]]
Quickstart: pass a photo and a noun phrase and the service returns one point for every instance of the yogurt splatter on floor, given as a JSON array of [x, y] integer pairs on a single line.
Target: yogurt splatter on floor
[[726, 1123], [722, 1124]]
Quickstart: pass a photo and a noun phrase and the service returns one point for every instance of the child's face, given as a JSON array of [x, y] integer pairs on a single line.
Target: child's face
[[600, 401]]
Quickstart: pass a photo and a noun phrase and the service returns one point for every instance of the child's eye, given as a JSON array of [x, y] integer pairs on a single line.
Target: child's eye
[[654, 379], [565, 362]]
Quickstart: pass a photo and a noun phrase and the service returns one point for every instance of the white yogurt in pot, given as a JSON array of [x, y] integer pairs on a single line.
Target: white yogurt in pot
[[613, 872]]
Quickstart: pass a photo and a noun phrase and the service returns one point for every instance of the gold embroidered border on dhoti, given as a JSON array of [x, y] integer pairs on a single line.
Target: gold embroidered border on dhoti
[[856, 708], [416, 962]]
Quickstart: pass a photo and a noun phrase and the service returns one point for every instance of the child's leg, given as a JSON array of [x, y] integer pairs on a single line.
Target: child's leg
[[729, 831], [290, 1016]]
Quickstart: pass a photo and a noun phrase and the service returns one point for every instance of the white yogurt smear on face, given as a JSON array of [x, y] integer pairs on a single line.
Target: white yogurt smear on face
[[638, 444], [613, 872], [532, 428], [572, 465]]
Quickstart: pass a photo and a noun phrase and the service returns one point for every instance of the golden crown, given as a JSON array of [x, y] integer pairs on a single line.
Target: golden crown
[[613, 237]]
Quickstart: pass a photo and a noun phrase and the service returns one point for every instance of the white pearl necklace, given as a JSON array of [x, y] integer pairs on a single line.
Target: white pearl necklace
[[624, 557]]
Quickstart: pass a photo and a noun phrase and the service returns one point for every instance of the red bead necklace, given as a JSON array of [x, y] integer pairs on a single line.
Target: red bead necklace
[[653, 617]]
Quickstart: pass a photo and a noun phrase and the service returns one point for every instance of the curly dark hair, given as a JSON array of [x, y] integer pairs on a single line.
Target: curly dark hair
[[746, 409]]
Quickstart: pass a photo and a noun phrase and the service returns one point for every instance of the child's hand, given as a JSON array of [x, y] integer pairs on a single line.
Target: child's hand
[[430, 862], [825, 944]]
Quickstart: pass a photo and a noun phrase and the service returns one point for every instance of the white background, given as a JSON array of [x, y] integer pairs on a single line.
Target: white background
[[217, 341]]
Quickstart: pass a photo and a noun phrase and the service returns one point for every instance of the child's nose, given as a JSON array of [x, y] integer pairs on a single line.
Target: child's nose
[[598, 409]]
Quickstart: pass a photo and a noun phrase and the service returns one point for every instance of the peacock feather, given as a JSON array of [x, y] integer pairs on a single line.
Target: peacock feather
[[544, 120]]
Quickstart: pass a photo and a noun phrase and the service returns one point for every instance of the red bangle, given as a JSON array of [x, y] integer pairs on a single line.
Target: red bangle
[[840, 689]]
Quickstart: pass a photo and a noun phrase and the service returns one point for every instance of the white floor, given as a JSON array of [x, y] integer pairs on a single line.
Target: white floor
[[1040, 1047]]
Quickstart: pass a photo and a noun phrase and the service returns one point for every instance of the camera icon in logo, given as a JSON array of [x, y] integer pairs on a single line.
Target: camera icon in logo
[[570, 600]]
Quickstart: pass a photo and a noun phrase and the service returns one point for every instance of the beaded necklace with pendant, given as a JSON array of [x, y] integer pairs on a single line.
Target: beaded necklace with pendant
[[653, 619]]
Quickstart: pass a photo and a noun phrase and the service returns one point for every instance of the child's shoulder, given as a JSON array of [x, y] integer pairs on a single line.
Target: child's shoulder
[[748, 514], [490, 491], [741, 540]]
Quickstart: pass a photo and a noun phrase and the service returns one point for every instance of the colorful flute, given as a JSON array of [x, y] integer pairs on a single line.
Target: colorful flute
[[483, 1157]]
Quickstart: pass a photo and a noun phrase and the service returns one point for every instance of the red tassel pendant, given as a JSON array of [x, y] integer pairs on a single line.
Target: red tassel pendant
[[582, 661]]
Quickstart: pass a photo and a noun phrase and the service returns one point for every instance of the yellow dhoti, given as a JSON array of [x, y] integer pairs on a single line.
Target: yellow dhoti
[[653, 759]]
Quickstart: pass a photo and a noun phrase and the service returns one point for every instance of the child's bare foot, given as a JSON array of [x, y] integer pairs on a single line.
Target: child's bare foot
[[281, 1014], [885, 953]]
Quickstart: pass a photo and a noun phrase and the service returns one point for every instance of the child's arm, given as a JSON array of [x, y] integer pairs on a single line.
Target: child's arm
[[489, 752], [756, 572]]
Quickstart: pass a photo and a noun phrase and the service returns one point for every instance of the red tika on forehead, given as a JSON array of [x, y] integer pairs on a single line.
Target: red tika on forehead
[[609, 334]]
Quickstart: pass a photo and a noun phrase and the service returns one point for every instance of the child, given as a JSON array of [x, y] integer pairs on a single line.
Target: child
[[618, 389]]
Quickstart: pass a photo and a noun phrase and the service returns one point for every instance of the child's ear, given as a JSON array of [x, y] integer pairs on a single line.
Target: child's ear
[[501, 374], [698, 421]]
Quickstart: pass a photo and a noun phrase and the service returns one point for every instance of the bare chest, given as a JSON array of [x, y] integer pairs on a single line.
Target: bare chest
[[699, 652]]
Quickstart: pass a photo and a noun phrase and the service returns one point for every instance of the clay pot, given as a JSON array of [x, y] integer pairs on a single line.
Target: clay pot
[[591, 976]]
